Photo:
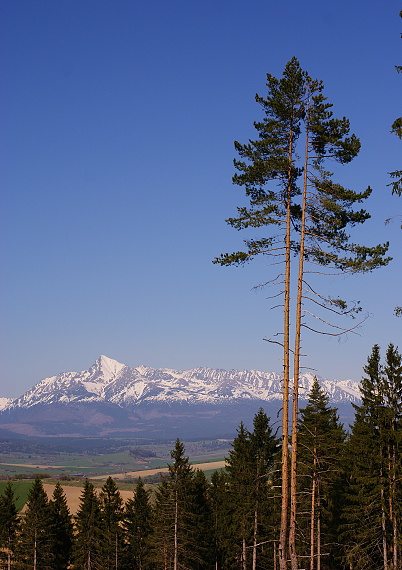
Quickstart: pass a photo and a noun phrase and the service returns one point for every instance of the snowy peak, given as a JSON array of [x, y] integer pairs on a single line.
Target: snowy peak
[[108, 380], [107, 368], [4, 403]]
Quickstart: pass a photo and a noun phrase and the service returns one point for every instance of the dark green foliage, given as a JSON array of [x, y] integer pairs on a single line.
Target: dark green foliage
[[201, 518], [321, 439], [249, 493], [62, 529], [222, 518], [163, 532], [137, 522], [9, 523], [329, 207], [373, 513], [111, 512], [270, 173], [266, 168], [89, 537], [35, 544], [176, 540]]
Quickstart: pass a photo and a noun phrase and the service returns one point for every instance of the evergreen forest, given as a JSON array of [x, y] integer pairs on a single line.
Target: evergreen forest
[[349, 498]]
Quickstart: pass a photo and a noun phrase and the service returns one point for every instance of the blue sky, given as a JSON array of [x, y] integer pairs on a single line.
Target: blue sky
[[119, 121]]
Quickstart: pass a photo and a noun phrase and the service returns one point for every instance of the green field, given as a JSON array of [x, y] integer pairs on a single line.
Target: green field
[[58, 458], [21, 490]]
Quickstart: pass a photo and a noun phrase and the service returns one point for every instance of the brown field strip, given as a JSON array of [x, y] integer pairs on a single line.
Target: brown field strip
[[35, 466], [73, 495], [148, 472]]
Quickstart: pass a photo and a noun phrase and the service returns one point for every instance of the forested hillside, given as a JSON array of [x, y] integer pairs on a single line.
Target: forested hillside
[[349, 499]]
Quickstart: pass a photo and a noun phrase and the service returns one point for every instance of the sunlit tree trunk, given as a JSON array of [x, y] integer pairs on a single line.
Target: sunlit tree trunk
[[313, 513], [296, 371], [286, 368]]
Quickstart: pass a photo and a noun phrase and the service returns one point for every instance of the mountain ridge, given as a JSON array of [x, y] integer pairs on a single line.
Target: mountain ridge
[[108, 380], [112, 399]]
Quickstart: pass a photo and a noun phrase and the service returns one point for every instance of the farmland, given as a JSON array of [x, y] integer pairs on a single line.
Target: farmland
[[71, 462]]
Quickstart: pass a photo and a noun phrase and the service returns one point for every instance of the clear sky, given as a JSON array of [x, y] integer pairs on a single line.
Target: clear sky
[[118, 122]]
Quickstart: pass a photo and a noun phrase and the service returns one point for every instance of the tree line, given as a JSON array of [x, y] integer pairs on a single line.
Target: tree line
[[349, 500]]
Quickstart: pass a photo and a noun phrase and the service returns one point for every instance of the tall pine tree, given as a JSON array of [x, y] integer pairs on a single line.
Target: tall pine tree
[[321, 439], [137, 522], [35, 543], [269, 170], [62, 529], [175, 536], [111, 505], [87, 554], [9, 524], [373, 513], [249, 467]]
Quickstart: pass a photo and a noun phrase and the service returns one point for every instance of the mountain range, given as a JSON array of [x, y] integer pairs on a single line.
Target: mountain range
[[113, 399]]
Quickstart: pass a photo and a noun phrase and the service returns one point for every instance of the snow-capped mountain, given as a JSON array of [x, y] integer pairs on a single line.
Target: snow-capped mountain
[[109, 381], [4, 403]]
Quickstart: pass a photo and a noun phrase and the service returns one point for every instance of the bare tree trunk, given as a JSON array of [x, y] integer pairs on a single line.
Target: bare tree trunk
[[312, 520], [395, 540], [296, 373], [254, 565], [384, 533], [392, 498], [286, 367], [9, 553], [176, 513], [319, 537], [244, 555], [275, 556], [35, 550]]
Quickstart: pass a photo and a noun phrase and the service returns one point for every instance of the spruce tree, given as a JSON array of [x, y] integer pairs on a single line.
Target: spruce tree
[[249, 467], [321, 439], [34, 545], [137, 522], [111, 505], [162, 538], [222, 514], [9, 524], [175, 535], [263, 449], [87, 554], [62, 529], [241, 478], [201, 518], [363, 532], [373, 513]]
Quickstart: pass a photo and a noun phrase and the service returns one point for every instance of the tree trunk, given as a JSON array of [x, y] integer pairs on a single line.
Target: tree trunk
[[319, 538], [285, 396], [35, 550], [244, 555], [384, 533], [275, 556], [176, 513], [296, 373], [254, 565], [312, 520]]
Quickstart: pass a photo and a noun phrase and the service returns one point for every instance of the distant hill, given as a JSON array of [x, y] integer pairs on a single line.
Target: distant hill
[[113, 399]]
